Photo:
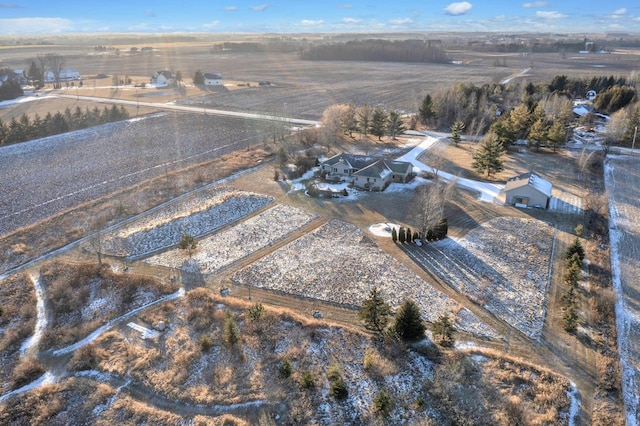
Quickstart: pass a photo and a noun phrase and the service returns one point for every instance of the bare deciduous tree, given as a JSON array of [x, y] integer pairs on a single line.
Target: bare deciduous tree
[[430, 204]]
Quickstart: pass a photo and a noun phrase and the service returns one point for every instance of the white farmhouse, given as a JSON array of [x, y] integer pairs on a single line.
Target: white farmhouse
[[162, 78], [66, 74], [213, 79]]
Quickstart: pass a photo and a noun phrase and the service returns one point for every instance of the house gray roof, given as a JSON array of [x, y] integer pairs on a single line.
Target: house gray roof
[[530, 179], [399, 166], [370, 166], [353, 161], [213, 76], [375, 170]]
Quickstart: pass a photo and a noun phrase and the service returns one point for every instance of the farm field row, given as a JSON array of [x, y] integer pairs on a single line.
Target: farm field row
[[623, 181], [46, 176]]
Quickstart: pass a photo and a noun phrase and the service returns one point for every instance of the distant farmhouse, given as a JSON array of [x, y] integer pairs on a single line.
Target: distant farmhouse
[[16, 75], [162, 78], [528, 190], [65, 74], [369, 173], [213, 79]]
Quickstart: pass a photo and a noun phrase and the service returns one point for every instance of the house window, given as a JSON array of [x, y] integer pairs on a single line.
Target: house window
[[335, 170]]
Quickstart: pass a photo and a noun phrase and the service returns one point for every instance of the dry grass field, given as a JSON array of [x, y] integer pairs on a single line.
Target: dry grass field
[[197, 371]]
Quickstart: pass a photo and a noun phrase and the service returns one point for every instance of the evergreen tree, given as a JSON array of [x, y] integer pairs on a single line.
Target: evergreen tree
[[456, 130], [379, 123], [519, 121], [538, 133], [570, 319], [488, 156], [396, 125], [443, 328], [557, 135], [408, 324], [364, 119], [394, 234], [502, 132], [375, 312], [231, 334], [198, 77], [426, 112], [401, 235]]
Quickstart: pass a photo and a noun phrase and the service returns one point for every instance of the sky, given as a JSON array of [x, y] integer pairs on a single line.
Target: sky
[[301, 16]]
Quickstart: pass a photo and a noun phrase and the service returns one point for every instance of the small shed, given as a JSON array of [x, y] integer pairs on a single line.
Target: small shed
[[528, 190]]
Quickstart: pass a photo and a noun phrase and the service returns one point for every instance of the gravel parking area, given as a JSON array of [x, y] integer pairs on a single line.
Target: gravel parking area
[[502, 264], [46, 176], [200, 214], [338, 263], [217, 251]]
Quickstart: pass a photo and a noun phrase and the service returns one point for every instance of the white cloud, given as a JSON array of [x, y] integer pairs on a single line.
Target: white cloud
[[536, 4], [499, 18], [311, 22], [260, 8], [550, 15], [212, 24], [401, 21], [230, 8], [621, 11], [344, 6], [459, 8], [351, 20], [27, 25]]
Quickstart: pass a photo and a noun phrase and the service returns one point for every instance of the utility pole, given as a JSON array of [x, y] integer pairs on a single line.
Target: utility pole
[[635, 133]]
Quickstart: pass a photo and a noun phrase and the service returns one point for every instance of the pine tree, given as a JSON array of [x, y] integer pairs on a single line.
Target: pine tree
[[557, 135], [375, 312], [364, 119], [456, 130], [408, 324], [488, 157], [394, 234], [538, 133], [379, 123], [426, 112], [396, 125], [443, 329]]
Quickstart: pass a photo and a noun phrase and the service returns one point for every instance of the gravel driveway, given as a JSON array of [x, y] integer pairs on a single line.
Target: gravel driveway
[[46, 176]]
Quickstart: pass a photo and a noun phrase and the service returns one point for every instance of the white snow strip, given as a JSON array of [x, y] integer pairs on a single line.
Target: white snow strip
[[93, 336], [41, 320], [45, 379], [574, 409]]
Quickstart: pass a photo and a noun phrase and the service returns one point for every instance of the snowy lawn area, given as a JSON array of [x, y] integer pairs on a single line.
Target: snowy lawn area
[[338, 263], [198, 215], [217, 251], [503, 265]]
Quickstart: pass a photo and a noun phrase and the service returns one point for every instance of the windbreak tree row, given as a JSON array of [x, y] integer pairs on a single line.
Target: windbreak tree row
[[25, 128]]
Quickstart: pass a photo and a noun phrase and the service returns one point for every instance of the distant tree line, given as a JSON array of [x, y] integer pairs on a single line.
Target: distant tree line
[[25, 128], [378, 50], [253, 47]]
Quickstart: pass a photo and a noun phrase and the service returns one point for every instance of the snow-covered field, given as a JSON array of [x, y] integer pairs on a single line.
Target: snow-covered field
[[338, 263], [200, 214], [623, 186], [219, 250], [503, 265]]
